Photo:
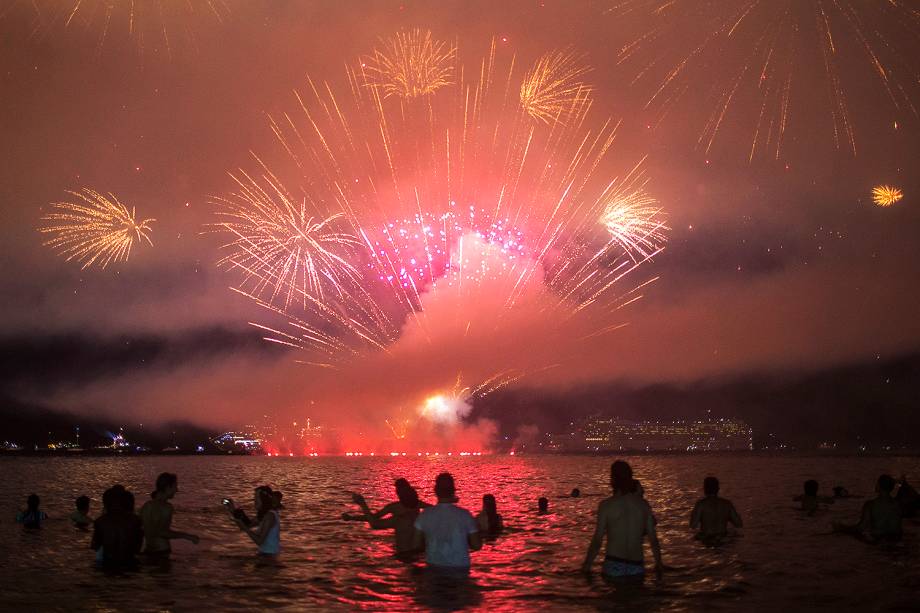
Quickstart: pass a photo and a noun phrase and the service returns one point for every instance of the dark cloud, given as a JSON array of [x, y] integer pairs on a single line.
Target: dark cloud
[[74, 361]]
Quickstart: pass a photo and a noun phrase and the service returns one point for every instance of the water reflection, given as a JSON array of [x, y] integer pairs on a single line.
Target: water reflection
[[781, 556]]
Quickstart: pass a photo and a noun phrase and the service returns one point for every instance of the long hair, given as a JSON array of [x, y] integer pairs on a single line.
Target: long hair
[[490, 508], [406, 494], [266, 500]]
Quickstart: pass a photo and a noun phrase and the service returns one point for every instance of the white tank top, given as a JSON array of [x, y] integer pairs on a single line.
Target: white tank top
[[272, 543]]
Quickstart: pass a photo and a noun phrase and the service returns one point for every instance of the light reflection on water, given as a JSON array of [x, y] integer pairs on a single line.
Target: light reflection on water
[[780, 556]]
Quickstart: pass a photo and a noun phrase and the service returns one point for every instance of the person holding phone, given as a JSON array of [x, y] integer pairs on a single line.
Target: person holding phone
[[267, 533]]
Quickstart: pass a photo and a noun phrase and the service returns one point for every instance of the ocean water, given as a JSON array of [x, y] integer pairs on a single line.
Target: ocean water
[[779, 558]]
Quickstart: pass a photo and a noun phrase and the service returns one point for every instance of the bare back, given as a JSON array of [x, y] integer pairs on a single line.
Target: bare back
[[625, 520], [712, 516]]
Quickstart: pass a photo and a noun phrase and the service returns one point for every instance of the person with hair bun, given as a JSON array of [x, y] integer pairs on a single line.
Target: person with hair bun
[[267, 533]]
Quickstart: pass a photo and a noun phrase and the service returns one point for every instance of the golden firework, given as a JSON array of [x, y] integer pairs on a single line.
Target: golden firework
[[635, 222], [553, 88], [886, 195], [411, 63], [96, 230]]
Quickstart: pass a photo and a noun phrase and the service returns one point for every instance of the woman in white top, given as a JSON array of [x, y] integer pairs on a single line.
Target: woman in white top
[[267, 534]]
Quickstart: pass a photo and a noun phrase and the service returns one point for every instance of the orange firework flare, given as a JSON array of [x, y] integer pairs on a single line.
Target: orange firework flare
[[411, 63], [775, 66], [886, 195], [97, 230], [553, 89]]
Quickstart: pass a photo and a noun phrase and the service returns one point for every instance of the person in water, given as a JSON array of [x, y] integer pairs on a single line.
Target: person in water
[[80, 516], [810, 499], [543, 506], [399, 515], [624, 519], [267, 534], [118, 533], [576, 493], [447, 532], [32, 517], [712, 514], [907, 497], [157, 516], [489, 521], [880, 519]]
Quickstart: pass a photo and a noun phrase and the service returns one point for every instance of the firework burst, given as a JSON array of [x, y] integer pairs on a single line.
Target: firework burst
[[410, 64], [553, 88], [96, 230], [759, 64], [886, 195], [287, 250], [464, 198]]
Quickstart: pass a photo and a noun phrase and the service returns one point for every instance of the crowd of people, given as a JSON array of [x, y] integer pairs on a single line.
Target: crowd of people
[[447, 533]]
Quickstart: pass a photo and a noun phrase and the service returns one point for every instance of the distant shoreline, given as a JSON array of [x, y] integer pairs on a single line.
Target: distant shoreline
[[100, 453]]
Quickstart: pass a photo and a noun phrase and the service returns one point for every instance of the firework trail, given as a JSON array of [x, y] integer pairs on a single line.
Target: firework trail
[[149, 23], [886, 195], [96, 230], [553, 87], [462, 198], [757, 62], [410, 64]]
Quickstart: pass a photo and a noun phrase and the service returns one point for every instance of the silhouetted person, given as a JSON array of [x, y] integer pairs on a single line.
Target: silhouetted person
[[32, 517], [490, 522], [267, 534], [447, 531], [543, 506], [712, 514], [399, 515], [810, 498], [157, 515], [624, 519], [907, 497], [80, 516], [118, 532], [880, 519]]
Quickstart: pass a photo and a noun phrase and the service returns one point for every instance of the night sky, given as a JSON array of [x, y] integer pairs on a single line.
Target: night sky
[[780, 276]]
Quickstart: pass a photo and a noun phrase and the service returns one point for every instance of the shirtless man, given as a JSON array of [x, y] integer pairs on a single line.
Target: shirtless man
[[712, 514], [157, 514], [625, 519], [881, 517]]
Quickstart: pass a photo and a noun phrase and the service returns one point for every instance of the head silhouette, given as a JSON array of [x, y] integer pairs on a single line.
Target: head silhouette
[[621, 477], [444, 487], [406, 494], [543, 505], [811, 487], [167, 485], [711, 486], [32, 502], [885, 484], [82, 504]]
